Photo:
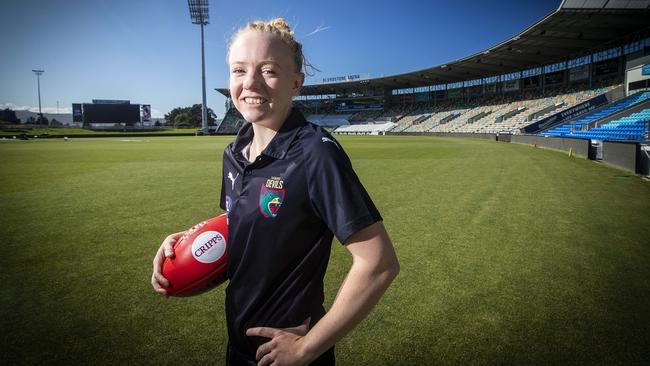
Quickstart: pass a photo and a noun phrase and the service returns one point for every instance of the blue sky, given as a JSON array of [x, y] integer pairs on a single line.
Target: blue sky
[[148, 51]]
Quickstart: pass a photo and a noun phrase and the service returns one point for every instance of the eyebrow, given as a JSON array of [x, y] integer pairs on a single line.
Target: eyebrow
[[265, 62]]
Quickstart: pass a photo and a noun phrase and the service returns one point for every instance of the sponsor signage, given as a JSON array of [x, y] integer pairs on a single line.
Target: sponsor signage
[[77, 114], [208, 247], [338, 79], [146, 112], [564, 116]]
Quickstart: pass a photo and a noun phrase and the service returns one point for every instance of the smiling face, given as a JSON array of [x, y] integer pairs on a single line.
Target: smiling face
[[263, 77]]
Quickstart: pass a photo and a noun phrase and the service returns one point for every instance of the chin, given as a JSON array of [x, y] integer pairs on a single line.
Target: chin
[[253, 116]]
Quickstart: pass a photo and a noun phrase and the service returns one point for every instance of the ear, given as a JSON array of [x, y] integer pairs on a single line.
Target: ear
[[298, 82]]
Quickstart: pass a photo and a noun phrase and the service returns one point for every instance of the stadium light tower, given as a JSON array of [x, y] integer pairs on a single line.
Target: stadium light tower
[[38, 80], [199, 13]]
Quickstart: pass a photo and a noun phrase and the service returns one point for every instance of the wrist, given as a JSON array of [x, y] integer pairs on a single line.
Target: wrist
[[307, 352]]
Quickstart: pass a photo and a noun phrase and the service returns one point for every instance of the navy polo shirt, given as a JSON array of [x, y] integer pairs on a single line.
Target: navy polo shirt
[[283, 210]]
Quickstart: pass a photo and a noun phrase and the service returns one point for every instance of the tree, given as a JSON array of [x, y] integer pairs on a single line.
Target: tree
[[9, 116], [182, 120], [42, 120], [193, 116]]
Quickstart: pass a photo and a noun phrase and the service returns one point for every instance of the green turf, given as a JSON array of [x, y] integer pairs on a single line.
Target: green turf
[[509, 254], [81, 131]]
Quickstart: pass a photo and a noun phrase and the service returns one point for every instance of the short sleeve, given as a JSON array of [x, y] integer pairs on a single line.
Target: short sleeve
[[336, 192], [222, 202]]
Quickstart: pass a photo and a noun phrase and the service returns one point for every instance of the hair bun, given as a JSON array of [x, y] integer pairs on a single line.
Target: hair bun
[[280, 24]]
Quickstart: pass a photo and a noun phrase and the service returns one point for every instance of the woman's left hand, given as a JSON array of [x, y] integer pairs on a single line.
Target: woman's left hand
[[284, 347]]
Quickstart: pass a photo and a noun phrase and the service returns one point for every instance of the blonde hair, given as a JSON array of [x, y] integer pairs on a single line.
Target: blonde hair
[[280, 28]]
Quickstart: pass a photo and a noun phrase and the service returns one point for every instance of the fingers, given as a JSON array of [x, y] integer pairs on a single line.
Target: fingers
[[156, 286], [262, 332], [166, 250], [266, 360], [264, 349], [168, 245], [161, 279], [169, 251]]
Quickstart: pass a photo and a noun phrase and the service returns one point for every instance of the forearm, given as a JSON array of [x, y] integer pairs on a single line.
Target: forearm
[[359, 293]]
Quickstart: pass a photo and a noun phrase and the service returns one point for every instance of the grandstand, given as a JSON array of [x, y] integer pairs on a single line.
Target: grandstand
[[231, 122], [632, 127], [549, 80], [574, 127]]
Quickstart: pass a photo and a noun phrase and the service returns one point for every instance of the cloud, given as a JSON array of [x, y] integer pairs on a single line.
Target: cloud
[[318, 29], [13, 106], [51, 110]]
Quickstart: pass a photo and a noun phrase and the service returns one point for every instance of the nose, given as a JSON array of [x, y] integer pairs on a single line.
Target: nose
[[251, 80]]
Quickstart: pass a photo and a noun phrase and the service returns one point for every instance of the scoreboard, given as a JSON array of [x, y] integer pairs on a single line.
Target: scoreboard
[[111, 113]]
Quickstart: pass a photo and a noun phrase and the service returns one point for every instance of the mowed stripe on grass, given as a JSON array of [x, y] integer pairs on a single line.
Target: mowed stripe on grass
[[509, 254]]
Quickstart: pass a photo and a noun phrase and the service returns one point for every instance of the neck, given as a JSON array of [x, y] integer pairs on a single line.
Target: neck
[[262, 136], [263, 133]]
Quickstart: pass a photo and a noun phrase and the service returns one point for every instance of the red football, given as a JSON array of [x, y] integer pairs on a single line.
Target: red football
[[199, 263]]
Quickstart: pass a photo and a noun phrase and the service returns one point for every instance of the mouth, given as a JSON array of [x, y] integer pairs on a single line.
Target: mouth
[[254, 100]]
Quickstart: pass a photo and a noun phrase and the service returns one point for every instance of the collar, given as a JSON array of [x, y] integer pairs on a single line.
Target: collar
[[279, 144]]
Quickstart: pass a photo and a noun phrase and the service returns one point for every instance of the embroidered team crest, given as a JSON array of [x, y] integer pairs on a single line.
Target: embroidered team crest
[[271, 197]]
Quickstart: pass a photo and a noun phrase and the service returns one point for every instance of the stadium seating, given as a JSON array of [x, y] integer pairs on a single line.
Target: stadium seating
[[631, 128], [498, 114], [231, 122], [332, 120], [365, 129], [570, 129]]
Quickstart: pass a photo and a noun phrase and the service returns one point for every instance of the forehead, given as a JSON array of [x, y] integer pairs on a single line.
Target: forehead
[[254, 46]]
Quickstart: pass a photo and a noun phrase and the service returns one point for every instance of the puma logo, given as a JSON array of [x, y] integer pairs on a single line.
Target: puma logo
[[327, 139], [232, 180]]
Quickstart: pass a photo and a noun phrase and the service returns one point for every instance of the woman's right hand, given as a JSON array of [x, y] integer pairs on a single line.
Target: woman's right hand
[[166, 250]]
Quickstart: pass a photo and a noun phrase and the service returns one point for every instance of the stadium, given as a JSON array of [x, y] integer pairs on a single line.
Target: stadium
[[513, 183], [579, 74]]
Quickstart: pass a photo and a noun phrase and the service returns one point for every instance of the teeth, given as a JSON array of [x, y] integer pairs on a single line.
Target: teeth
[[250, 100]]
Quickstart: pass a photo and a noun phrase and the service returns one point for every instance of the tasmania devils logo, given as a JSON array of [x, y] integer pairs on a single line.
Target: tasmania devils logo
[[271, 197]]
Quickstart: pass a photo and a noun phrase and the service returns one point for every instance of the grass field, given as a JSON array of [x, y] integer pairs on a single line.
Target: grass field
[[80, 131], [509, 254]]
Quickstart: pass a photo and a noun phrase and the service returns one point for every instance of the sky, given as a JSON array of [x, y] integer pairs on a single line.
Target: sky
[[149, 52]]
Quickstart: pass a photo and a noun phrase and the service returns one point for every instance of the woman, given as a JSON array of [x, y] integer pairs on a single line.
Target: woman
[[288, 187]]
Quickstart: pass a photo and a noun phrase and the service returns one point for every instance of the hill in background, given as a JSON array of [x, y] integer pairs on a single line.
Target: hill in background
[[65, 118]]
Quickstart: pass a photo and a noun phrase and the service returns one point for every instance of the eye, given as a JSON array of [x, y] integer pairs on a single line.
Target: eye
[[268, 72], [237, 71]]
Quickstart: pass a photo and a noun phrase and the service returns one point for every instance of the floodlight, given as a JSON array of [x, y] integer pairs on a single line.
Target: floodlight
[[199, 12], [38, 80]]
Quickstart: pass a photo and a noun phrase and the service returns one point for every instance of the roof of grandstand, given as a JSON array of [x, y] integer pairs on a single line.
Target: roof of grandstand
[[576, 28]]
